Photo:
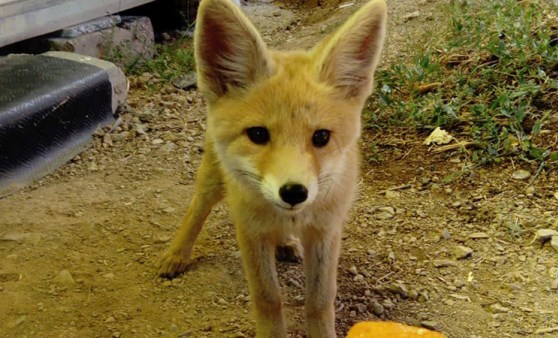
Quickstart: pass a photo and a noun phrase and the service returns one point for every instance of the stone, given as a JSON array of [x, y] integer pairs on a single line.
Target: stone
[[554, 242], [377, 308], [521, 174], [430, 324], [544, 235], [64, 278], [463, 252], [497, 308], [443, 263], [479, 235], [129, 43]]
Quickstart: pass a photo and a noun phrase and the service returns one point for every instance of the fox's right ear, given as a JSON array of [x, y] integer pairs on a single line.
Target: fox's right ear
[[230, 54]]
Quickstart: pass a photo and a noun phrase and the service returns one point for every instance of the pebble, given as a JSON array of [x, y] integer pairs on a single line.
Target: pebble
[[430, 324], [388, 304], [463, 252], [411, 16], [64, 278], [497, 308], [521, 174], [554, 284], [554, 242], [446, 234], [544, 235], [479, 235], [385, 213], [443, 263], [361, 308], [109, 275], [14, 236], [353, 270], [377, 308], [358, 278], [392, 194]]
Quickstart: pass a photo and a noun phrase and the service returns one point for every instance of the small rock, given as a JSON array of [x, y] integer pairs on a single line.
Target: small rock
[[16, 322], [109, 275], [411, 16], [385, 213], [554, 284], [443, 263], [521, 175], [556, 195], [392, 194], [352, 314], [163, 239], [544, 235], [157, 141], [431, 325], [14, 236], [64, 278], [377, 308], [358, 278], [446, 234], [479, 235], [497, 308], [185, 82], [353, 270], [110, 319], [463, 252], [169, 210], [554, 242], [388, 304], [361, 308]]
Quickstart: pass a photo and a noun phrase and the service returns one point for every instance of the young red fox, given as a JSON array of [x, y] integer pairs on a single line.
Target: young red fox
[[281, 147]]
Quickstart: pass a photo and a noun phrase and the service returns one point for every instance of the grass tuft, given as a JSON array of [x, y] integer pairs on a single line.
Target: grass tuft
[[494, 81]]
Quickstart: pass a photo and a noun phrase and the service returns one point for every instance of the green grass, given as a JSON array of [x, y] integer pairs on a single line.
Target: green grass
[[495, 82], [171, 60]]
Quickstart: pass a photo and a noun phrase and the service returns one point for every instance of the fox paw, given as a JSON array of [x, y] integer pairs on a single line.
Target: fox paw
[[171, 265], [290, 250]]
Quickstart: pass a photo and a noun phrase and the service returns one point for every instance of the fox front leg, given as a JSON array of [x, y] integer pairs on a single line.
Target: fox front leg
[[321, 255], [258, 257], [209, 190]]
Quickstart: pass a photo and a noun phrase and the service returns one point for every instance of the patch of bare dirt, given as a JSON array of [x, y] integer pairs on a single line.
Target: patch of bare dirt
[[424, 245]]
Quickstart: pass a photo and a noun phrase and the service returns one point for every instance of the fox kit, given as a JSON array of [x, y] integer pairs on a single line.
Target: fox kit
[[281, 147]]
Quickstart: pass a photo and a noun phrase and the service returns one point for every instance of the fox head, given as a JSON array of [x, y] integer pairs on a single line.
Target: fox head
[[284, 123]]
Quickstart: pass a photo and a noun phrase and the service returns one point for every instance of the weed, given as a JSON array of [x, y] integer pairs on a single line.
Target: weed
[[494, 81], [172, 59]]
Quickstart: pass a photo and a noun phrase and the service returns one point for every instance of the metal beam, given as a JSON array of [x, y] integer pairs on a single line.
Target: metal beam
[[24, 19]]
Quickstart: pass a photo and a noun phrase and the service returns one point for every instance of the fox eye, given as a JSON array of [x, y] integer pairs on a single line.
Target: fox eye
[[321, 138], [258, 135]]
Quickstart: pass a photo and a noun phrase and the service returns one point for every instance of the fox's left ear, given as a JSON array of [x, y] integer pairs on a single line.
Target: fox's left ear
[[348, 59]]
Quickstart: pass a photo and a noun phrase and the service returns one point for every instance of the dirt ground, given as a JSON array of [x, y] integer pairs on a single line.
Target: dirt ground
[[78, 249]]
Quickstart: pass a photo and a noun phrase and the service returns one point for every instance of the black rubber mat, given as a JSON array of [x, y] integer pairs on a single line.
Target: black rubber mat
[[48, 107]]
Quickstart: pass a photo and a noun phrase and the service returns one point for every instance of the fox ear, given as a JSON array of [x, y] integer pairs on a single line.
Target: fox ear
[[229, 51], [348, 59]]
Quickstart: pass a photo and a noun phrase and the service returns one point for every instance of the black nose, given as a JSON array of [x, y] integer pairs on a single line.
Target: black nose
[[293, 193]]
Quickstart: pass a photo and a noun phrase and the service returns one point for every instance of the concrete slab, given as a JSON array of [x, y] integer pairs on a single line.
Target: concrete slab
[[50, 105]]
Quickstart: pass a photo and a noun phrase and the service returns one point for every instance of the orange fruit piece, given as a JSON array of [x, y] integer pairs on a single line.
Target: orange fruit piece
[[390, 330]]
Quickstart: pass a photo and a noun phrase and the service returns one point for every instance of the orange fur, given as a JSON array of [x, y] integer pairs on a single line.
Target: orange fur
[[292, 95]]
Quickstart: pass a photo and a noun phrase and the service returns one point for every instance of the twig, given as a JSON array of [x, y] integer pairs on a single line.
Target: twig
[[399, 187], [449, 147], [547, 330]]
